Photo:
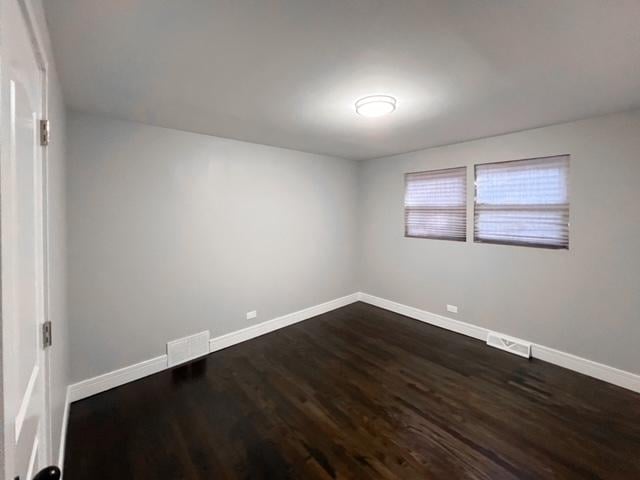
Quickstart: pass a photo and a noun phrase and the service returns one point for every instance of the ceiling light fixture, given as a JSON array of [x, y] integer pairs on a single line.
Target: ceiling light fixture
[[375, 105]]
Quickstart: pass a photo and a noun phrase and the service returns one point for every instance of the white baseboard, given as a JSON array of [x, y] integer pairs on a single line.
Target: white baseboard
[[615, 376], [263, 328], [101, 383], [63, 431], [107, 381], [110, 380], [427, 317], [621, 378]]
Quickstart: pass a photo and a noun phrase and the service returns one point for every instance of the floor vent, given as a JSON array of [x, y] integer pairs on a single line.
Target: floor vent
[[509, 344], [188, 348]]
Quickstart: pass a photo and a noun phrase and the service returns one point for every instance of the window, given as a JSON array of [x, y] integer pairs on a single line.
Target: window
[[523, 202], [435, 204]]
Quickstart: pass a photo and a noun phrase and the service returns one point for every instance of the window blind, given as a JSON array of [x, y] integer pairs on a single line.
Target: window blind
[[435, 204], [523, 202]]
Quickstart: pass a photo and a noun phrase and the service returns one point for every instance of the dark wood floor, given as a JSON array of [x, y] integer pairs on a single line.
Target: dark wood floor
[[358, 393]]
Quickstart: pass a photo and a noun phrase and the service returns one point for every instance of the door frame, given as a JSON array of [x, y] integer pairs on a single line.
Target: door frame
[[40, 53]]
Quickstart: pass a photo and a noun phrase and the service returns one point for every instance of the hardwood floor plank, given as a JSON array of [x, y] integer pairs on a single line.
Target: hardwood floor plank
[[358, 393]]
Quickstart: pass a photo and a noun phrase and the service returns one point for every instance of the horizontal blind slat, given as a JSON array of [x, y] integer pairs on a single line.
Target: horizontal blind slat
[[435, 204], [523, 202]]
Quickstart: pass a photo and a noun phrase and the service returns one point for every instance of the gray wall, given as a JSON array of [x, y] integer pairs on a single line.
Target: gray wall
[[171, 233], [585, 301]]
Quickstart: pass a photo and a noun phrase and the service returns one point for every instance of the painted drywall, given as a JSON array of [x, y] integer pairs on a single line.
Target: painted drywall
[[585, 301], [287, 72], [172, 233]]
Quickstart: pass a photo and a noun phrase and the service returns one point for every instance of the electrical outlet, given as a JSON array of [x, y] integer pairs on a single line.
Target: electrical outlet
[[452, 308], [251, 315]]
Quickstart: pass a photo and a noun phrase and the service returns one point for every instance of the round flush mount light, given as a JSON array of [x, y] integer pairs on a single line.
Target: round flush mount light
[[375, 105]]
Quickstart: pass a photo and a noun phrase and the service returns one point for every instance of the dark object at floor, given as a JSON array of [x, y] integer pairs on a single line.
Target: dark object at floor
[[50, 473]]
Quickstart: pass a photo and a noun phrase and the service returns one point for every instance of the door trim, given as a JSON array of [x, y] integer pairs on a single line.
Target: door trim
[[26, 400], [44, 444], [41, 57], [32, 458]]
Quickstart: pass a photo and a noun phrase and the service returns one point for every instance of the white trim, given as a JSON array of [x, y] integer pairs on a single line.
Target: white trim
[[101, 383], [32, 457], [35, 36], [593, 369], [427, 317], [40, 44], [233, 338], [63, 431], [107, 381], [26, 400]]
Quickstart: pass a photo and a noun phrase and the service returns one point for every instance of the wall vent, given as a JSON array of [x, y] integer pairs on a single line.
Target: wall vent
[[509, 344], [187, 348]]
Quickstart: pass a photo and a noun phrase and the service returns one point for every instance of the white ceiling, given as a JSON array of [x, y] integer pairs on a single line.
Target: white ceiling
[[287, 72]]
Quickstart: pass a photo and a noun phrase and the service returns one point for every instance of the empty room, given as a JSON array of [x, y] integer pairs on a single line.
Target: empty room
[[319, 239]]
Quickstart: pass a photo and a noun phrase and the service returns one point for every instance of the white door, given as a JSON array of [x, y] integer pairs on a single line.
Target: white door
[[22, 246]]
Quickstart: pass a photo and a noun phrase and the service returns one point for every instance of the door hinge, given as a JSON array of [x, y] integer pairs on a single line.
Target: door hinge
[[45, 133], [46, 334]]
